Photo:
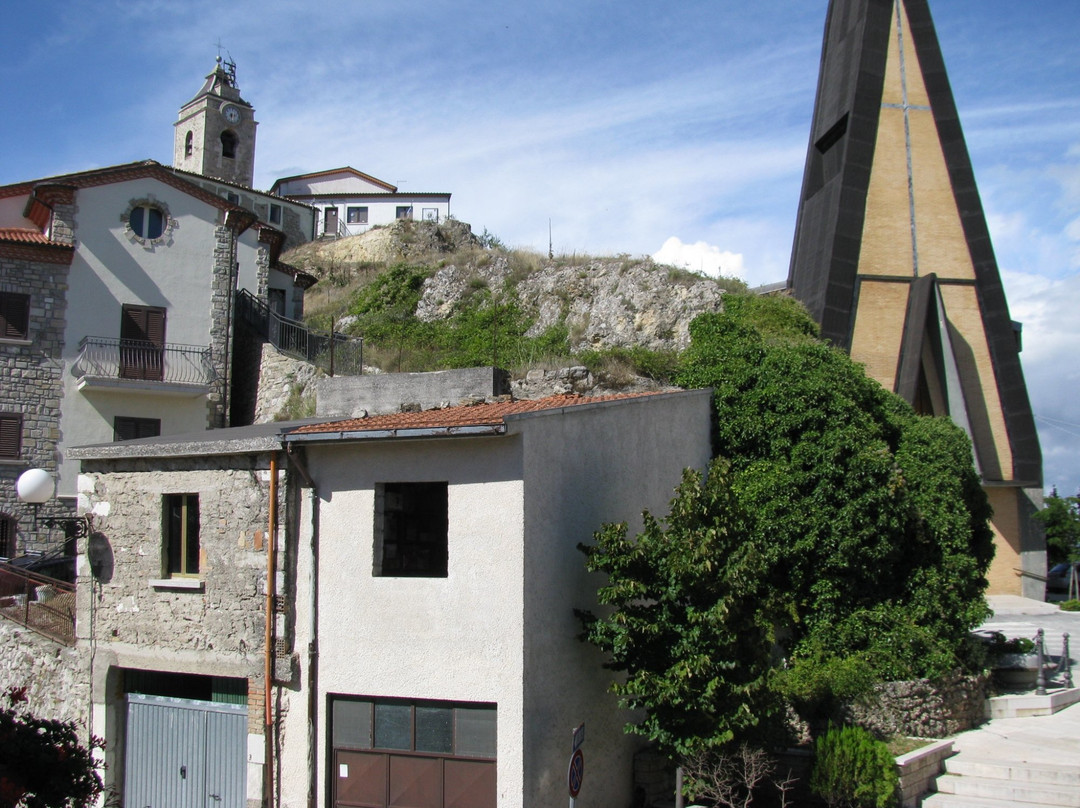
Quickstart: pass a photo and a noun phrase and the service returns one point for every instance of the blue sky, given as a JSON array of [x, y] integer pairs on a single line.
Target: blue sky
[[629, 125]]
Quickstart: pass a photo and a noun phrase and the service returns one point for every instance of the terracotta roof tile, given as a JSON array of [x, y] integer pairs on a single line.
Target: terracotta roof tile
[[476, 415], [23, 235]]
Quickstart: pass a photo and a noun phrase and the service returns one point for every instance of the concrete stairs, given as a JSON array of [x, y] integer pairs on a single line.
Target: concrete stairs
[[1028, 755], [997, 783]]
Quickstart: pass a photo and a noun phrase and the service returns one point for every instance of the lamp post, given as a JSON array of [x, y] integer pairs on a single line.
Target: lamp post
[[36, 487]]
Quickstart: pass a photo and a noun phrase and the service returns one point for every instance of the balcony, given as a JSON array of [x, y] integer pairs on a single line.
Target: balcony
[[135, 365]]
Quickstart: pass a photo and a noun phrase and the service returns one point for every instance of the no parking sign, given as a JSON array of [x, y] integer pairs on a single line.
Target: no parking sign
[[576, 771]]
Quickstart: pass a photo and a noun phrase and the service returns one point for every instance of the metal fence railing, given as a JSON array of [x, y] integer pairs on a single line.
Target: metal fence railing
[[43, 604], [110, 358], [338, 354]]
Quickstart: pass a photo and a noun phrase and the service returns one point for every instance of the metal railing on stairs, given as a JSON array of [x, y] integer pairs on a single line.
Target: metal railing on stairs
[[1059, 671], [38, 602], [337, 354]]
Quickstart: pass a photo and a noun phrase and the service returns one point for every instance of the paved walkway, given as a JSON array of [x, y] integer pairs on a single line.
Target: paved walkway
[[1044, 738]]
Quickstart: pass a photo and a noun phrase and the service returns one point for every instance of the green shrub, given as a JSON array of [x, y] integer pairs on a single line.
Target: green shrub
[[1070, 605], [853, 769]]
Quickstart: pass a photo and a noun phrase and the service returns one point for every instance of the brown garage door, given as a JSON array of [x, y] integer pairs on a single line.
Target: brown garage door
[[406, 754]]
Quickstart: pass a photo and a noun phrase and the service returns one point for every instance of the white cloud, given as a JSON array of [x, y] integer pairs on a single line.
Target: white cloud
[[701, 257]]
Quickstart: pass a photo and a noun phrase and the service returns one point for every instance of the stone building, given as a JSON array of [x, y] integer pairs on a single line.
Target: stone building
[[892, 256], [118, 291], [343, 610]]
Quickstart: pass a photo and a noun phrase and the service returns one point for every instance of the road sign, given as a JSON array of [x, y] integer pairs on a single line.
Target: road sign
[[576, 773], [579, 737]]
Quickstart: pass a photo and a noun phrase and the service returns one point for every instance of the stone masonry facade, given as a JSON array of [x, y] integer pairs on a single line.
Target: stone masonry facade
[[33, 387], [221, 302]]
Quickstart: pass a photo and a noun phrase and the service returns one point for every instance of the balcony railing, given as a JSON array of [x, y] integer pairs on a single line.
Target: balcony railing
[[337, 354], [43, 604], [104, 358]]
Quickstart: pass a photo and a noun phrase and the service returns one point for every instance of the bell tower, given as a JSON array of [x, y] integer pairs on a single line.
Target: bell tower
[[215, 131]]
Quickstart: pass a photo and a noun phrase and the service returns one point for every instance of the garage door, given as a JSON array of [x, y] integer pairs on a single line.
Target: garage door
[[405, 754], [184, 754]]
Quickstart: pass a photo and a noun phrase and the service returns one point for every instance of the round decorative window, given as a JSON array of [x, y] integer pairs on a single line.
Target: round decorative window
[[147, 222]]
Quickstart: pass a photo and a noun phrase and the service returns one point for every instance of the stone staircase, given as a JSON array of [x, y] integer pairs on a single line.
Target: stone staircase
[[1028, 755], [990, 783]]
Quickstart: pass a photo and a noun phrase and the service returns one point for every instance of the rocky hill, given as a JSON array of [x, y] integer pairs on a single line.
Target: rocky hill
[[427, 297], [616, 302]]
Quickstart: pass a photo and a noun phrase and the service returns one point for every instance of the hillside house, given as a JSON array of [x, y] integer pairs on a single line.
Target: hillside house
[[117, 291], [349, 202], [422, 636]]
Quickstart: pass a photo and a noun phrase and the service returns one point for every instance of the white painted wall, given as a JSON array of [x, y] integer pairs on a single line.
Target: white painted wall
[[11, 210], [381, 210], [597, 464], [500, 628], [456, 638], [107, 271]]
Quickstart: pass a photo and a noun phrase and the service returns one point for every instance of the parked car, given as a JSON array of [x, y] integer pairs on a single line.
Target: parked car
[[1058, 578]]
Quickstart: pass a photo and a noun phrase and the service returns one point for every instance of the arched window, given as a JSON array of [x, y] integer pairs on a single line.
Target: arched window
[[8, 528], [228, 144], [147, 221], [187, 145]]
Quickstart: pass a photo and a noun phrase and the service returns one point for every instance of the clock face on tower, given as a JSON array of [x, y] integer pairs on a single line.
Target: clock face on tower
[[231, 113]]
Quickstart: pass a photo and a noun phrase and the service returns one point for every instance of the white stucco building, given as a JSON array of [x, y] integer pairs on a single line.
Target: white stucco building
[[423, 641], [152, 263], [349, 202]]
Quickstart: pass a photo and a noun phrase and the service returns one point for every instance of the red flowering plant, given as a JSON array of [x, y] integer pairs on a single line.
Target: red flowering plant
[[44, 765]]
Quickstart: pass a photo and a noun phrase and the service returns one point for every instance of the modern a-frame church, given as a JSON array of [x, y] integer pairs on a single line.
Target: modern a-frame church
[[893, 258]]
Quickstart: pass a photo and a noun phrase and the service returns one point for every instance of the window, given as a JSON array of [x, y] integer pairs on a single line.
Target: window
[[233, 198], [126, 428], [14, 315], [142, 343], [411, 530], [356, 215], [147, 221], [188, 144], [275, 214], [8, 528], [10, 436], [429, 727], [181, 535], [229, 142], [430, 214], [403, 212]]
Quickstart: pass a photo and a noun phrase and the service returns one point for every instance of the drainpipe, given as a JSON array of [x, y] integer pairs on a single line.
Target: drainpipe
[[268, 643]]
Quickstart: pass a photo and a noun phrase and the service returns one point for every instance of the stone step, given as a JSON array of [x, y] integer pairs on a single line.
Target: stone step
[[1063, 775], [1009, 792], [941, 800]]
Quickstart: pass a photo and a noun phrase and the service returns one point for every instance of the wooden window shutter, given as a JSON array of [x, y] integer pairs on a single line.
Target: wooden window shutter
[[14, 315], [10, 435]]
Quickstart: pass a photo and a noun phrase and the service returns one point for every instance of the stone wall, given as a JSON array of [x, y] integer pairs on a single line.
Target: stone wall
[[33, 387], [56, 677], [922, 708], [223, 620]]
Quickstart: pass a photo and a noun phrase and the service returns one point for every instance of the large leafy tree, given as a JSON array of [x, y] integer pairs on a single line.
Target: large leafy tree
[[867, 525], [1060, 517]]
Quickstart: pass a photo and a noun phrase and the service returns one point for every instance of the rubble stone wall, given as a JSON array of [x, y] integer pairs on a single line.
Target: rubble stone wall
[[56, 677]]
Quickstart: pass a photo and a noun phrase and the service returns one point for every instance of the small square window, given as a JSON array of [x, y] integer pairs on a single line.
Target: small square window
[[10, 436], [430, 214], [411, 530], [403, 212], [357, 215], [181, 516], [275, 214], [14, 315]]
